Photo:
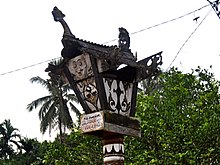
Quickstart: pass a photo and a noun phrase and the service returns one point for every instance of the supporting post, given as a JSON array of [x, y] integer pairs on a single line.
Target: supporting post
[[113, 150]]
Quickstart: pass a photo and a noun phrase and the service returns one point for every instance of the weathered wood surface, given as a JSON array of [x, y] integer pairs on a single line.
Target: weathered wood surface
[[104, 122]]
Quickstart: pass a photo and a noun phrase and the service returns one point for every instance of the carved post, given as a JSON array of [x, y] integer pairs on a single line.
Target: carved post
[[113, 150], [106, 92]]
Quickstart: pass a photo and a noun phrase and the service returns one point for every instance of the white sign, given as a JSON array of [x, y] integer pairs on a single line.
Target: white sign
[[92, 122]]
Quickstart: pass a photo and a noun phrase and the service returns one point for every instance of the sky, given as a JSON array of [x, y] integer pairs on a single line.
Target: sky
[[29, 39]]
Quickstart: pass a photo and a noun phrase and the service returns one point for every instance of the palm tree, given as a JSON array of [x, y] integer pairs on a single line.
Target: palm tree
[[8, 135], [54, 108], [28, 145]]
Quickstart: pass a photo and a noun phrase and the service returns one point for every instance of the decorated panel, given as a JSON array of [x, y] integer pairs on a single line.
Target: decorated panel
[[80, 67], [90, 93], [119, 95]]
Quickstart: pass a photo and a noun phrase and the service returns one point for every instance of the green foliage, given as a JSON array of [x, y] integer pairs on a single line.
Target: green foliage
[[8, 139], [180, 121], [180, 118], [16, 150], [76, 149], [31, 153], [54, 109]]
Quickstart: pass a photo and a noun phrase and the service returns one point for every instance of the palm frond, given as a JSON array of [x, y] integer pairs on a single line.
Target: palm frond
[[75, 109], [34, 104], [2, 130], [16, 135], [16, 143], [8, 127], [48, 119], [57, 61], [72, 97], [67, 88], [44, 108], [39, 80], [66, 117]]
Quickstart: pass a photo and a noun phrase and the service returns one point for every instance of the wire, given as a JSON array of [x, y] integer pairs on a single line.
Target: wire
[[189, 38], [162, 23], [27, 66]]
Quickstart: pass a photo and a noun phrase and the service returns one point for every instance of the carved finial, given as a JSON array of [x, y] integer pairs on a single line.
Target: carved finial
[[124, 39], [57, 14], [58, 17]]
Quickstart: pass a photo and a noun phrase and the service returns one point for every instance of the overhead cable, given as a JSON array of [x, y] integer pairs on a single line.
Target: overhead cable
[[26, 67], [188, 39], [162, 23]]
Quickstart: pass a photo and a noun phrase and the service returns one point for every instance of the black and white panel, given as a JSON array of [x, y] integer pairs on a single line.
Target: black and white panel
[[119, 94]]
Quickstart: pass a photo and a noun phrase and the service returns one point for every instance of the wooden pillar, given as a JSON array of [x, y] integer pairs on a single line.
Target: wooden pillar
[[113, 150]]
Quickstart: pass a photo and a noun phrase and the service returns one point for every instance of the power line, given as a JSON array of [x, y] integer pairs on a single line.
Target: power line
[[189, 38], [139, 31], [27, 67], [162, 23]]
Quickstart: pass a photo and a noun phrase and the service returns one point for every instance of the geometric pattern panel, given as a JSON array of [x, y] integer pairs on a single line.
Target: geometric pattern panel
[[119, 94]]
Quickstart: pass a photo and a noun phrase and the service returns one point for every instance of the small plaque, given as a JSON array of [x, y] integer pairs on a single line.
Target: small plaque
[[104, 122], [92, 122]]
